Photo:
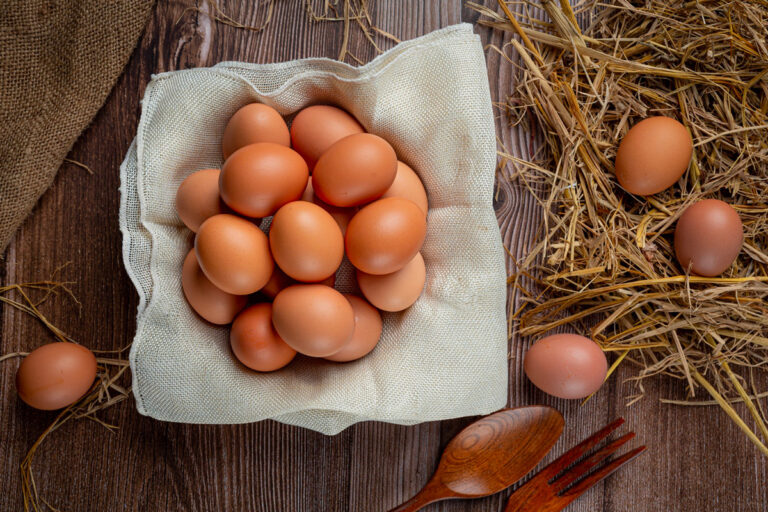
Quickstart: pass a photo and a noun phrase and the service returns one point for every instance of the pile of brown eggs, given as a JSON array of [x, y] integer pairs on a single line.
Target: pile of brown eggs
[[652, 157], [331, 190]]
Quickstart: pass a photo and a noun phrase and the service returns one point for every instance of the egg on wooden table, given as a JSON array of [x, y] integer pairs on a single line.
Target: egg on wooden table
[[55, 375], [197, 198], [211, 303], [566, 365], [354, 171], [365, 335], [316, 128], [255, 342], [708, 237], [234, 254], [385, 235], [260, 178], [315, 320], [653, 155], [254, 123]]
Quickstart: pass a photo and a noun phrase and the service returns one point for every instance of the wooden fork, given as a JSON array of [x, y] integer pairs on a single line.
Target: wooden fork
[[556, 486]]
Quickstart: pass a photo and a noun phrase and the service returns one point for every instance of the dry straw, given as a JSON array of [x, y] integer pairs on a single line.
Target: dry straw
[[603, 262], [348, 12], [106, 391], [263, 9]]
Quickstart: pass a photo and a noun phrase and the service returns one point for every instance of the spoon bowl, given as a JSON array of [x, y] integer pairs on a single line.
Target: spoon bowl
[[491, 454]]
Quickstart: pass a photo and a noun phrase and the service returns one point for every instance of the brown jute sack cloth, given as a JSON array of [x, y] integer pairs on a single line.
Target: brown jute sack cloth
[[58, 61]]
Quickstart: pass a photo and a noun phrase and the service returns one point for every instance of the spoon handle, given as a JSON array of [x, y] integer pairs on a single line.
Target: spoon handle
[[427, 495]]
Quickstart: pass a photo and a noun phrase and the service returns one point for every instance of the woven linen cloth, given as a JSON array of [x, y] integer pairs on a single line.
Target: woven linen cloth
[[444, 357], [59, 59]]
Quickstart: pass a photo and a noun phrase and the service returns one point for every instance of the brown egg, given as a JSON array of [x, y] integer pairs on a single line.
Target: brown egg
[[55, 375], [198, 198], [342, 216], [566, 365], [708, 237], [653, 155], [233, 254], [355, 170], [306, 242], [260, 178], [385, 235], [366, 334], [209, 302], [318, 127], [314, 319], [396, 291], [328, 281], [408, 186], [254, 123], [276, 282], [279, 281], [255, 342]]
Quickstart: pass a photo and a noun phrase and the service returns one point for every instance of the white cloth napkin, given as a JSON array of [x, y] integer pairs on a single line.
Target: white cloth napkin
[[444, 357]]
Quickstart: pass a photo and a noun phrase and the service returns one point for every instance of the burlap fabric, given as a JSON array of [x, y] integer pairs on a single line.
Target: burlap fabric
[[58, 61], [444, 357]]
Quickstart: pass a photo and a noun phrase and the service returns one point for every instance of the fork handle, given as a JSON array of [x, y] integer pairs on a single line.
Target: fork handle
[[427, 495]]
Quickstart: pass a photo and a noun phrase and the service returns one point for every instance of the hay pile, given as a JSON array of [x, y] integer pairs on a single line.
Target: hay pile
[[603, 261]]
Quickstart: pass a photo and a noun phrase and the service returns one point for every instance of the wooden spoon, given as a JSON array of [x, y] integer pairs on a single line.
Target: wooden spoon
[[490, 455]]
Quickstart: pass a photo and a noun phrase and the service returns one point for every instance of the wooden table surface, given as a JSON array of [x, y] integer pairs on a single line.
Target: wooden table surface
[[697, 459]]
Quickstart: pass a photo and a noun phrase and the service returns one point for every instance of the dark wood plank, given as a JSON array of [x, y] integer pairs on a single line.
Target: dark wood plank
[[697, 459]]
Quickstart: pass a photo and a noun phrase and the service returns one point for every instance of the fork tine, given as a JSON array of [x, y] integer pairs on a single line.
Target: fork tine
[[580, 449], [578, 489], [539, 495], [583, 467]]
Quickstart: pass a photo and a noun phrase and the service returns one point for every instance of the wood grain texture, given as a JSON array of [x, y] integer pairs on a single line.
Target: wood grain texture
[[574, 472], [697, 459], [491, 454]]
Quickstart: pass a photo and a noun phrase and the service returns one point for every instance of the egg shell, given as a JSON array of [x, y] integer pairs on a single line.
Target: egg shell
[[277, 281], [260, 178], [211, 303], [396, 291], [366, 334], [313, 319], [653, 155], [708, 237], [355, 170], [55, 375], [254, 123], [234, 254], [316, 128], [255, 342], [385, 235], [280, 280], [197, 198], [306, 241], [342, 216], [408, 186], [566, 366]]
